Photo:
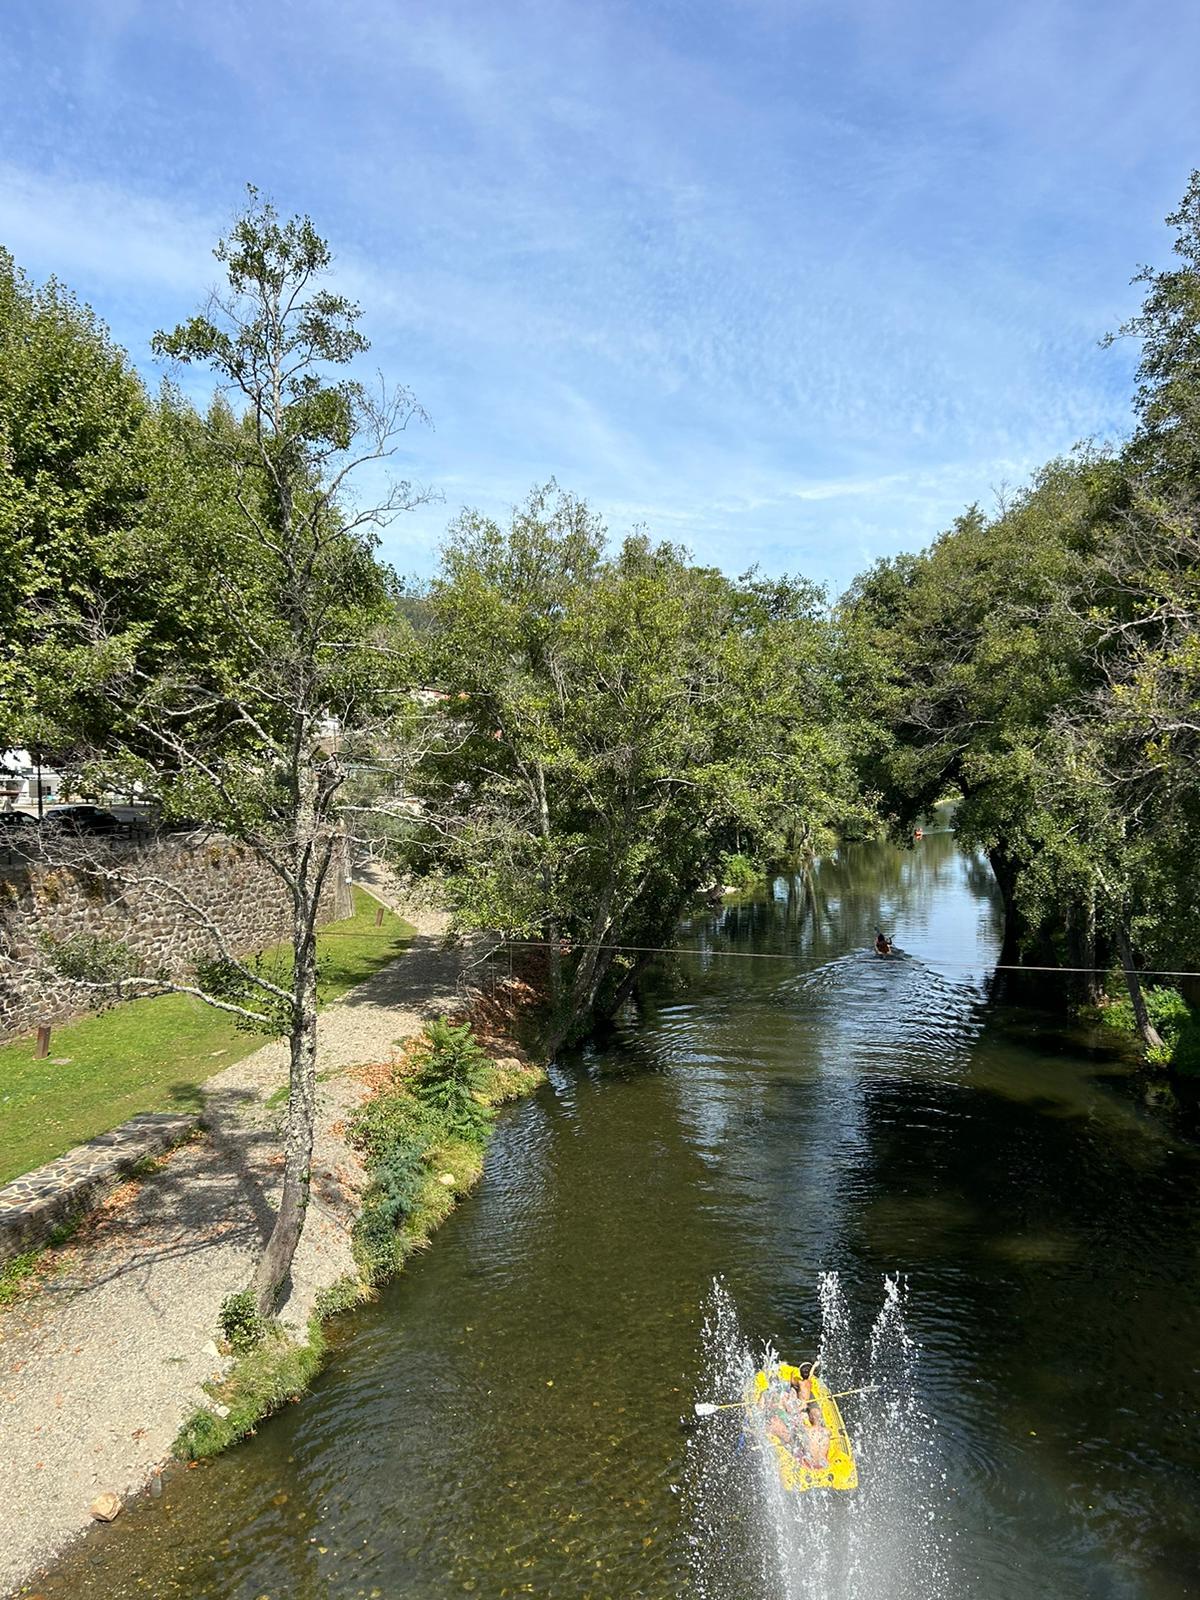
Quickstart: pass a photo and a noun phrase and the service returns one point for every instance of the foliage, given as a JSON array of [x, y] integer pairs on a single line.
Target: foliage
[[427, 1126], [1044, 662], [341, 1296], [737, 871], [397, 1186], [1170, 1013], [93, 956], [241, 1325], [19, 1274], [386, 1120], [1185, 1057], [448, 1079], [209, 619], [80, 455], [1168, 330], [616, 721], [277, 1369], [16, 1276]]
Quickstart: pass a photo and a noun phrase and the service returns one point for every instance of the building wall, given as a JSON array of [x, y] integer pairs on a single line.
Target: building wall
[[222, 879]]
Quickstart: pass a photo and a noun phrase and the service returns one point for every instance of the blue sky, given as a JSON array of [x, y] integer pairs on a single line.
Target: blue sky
[[788, 282]]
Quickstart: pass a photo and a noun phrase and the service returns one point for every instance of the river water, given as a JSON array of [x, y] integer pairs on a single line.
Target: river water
[[794, 1142]]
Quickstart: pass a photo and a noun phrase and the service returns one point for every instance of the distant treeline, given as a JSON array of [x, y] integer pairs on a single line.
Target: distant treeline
[[1044, 663]]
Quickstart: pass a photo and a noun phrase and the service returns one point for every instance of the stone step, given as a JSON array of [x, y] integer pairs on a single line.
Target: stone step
[[33, 1206]]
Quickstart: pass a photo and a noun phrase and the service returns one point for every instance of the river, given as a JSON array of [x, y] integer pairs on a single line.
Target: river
[[993, 1218]]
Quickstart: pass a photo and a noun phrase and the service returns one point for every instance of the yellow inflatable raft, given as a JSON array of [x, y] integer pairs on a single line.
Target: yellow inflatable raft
[[803, 1463]]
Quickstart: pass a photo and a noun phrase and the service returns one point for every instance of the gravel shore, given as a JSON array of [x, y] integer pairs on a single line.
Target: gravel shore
[[100, 1366]]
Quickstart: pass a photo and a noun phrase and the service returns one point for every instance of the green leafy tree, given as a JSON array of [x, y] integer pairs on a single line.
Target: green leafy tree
[[617, 722], [274, 655], [1168, 330], [78, 461]]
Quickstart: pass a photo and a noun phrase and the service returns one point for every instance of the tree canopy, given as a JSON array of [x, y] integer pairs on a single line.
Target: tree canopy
[[618, 719]]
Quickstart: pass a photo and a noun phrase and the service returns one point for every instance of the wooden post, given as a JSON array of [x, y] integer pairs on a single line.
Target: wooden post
[[379, 916], [42, 1048]]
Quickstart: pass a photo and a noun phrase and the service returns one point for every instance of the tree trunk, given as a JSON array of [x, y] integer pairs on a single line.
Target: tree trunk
[[1133, 982], [550, 921], [589, 974], [1092, 987], [627, 985], [276, 1261], [1005, 870], [311, 864]]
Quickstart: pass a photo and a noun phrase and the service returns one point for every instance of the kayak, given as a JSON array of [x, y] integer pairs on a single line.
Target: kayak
[[794, 1472]]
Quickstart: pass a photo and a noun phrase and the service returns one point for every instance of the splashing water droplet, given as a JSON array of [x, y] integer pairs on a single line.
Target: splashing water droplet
[[887, 1540]]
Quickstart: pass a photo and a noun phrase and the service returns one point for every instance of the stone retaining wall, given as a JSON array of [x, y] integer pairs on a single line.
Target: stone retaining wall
[[151, 895], [33, 1207]]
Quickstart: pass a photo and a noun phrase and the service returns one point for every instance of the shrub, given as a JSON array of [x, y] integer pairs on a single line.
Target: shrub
[[343, 1295], [378, 1125], [1175, 1021], [397, 1184], [738, 872], [276, 1370], [449, 1079], [90, 956], [1185, 1057], [241, 1325]]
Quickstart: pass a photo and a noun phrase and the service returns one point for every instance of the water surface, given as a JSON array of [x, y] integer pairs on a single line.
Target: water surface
[[506, 1419]]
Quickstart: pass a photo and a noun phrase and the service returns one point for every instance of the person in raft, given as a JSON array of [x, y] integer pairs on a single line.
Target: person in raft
[[814, 1439], [883, 945], [802, 1383], [784, 1403], [783, 1413]]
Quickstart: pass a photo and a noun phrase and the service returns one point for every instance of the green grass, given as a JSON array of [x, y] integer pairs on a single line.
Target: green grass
[[15, 1276], [18, 1275], [153, 1055], [277, 1370]]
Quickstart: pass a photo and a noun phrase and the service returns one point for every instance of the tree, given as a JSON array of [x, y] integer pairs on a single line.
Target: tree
[[615, 722], [1168, 328], [964, 670], [1043, 664], [277, 652], [77, 458]]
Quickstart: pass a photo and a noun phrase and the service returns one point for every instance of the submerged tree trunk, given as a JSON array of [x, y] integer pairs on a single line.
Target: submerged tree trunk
[[627, 985], [1150, 1034], [1005, 870], [594, 962]]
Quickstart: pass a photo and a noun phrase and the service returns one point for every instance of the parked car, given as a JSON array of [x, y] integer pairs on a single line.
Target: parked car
[[83, 819], [17, 828]]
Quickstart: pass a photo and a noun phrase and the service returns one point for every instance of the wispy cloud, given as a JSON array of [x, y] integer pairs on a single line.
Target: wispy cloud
[[790, 283]]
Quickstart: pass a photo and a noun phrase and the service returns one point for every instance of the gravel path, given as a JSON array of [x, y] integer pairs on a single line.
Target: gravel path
[[100, 1367]]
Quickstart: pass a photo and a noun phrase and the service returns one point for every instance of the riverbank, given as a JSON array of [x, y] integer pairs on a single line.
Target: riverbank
[[113, 1351]]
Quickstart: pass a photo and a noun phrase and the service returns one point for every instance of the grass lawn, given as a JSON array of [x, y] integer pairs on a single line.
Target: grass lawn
[[152, 1055]]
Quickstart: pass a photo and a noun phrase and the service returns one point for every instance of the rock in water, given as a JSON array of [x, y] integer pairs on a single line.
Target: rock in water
[[105, 1506]]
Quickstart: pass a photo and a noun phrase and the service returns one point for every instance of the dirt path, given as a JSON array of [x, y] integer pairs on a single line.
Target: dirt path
[[99, 1368]]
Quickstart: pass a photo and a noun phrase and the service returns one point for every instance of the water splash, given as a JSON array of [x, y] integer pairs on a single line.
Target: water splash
[[751, 1539]]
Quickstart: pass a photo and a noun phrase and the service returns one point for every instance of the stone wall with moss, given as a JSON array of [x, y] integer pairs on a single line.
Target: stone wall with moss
[[154, 897]]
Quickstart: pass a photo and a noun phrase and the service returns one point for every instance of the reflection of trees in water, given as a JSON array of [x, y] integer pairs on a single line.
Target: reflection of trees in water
[[839, 899], [981, 880]]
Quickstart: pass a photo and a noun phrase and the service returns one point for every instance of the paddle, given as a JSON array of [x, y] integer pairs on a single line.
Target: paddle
[[708, 1408]]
